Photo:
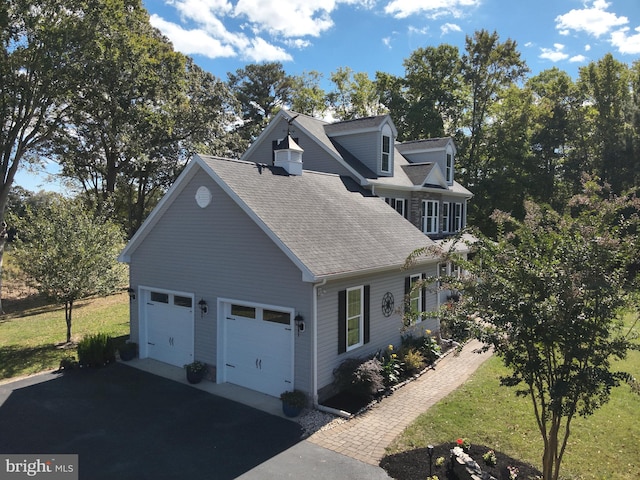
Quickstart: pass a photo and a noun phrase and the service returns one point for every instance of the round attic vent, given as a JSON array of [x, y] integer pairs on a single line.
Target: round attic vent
[[203, 197]]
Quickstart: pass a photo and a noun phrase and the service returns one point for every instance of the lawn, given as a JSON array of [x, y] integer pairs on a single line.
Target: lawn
[[32, 340], [603, 446]]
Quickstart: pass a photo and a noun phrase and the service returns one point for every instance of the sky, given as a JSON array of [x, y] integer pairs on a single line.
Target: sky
[[378, 35]]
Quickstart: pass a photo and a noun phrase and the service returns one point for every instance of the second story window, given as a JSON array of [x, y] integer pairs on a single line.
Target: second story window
[[446, 216], [385, 166], [457, 217], [449, 169], [430, 216]]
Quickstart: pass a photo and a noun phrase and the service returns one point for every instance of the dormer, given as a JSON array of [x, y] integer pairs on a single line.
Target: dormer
[[441, 151], [371, 140]]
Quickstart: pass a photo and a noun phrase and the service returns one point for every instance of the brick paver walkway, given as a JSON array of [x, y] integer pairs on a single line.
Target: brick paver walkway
[[366, 436]]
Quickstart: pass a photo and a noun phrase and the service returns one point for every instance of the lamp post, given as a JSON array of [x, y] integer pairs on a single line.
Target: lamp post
[[430, 450]]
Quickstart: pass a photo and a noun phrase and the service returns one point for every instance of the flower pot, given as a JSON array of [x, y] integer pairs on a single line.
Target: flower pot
[[194, 377], [291, 410]]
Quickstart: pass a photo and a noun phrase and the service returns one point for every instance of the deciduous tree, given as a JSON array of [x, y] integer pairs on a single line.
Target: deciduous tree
[[69, 254], [548, 297]]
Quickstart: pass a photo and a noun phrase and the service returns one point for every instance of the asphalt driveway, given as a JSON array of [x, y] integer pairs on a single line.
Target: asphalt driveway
[[128, 424]]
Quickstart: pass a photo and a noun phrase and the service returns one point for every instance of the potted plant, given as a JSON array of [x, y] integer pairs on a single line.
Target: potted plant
[[128, 351], [195, 371], [293, 402]]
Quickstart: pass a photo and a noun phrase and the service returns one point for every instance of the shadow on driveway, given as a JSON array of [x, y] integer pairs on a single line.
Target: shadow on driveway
[[128, 424]]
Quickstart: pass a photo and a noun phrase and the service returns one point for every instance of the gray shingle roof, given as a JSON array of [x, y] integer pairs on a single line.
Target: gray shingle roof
[[366, 123], [426, 144], [326, 221]]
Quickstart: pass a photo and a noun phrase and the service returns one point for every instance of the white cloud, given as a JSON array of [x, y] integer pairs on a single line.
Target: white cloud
[[449, 27], [578, 59], [261, 51], [626, 44], [192, 42], [418, 31], [406, 8], [554, 54], [297, 18], [594, 20], [587, 47]]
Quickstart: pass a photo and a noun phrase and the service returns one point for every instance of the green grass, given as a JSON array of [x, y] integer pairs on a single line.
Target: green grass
[[32, 340], [603, 446]]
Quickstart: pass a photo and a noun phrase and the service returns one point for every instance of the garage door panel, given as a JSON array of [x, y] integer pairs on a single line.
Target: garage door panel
[[258, 352], [169, 329]]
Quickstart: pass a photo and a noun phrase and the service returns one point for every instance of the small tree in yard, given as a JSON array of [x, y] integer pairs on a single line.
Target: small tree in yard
[[67, 254], [548, 296]]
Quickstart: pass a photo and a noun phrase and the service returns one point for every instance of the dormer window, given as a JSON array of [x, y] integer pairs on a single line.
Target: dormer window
[[386, 154], [386, 158], [449, 168]]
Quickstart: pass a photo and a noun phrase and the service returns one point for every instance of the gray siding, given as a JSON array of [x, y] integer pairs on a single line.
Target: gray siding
[[366, 147], [315, 157], [384, 330], [219, 252]]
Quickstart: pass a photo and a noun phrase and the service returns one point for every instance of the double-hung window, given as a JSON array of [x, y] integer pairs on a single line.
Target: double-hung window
[[385, 166], [398, 204], [353, 318], [449, 168], [430, 209], [446, 216], [457, 217]]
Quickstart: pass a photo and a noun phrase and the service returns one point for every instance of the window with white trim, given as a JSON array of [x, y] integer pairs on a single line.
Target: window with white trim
[[398, 204], [430, 216], [415, 295], [385, 166], [457, 217], [449, 168], [446, 216], [355, 317]]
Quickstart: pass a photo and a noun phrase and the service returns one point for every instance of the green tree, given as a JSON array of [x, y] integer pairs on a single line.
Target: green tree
[[354, 95], [38, 73], [68, 254], [435, 92], [262, 90], [606, 85], [548, 297], [307, 95]]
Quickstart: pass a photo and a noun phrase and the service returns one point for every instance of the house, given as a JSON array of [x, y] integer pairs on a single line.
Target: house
[[275, 268]]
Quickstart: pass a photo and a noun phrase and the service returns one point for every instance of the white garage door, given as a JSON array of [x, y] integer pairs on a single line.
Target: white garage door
[[258, 348], [169, 327]]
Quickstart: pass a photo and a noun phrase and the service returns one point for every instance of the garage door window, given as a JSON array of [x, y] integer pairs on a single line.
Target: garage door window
[[276, 317], [180, 301], [159, 297], [243, 311]]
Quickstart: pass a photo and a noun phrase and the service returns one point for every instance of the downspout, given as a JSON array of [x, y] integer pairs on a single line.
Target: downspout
[[314, 360]]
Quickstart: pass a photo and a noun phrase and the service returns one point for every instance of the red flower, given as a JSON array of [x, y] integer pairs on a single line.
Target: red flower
[[460, 441]]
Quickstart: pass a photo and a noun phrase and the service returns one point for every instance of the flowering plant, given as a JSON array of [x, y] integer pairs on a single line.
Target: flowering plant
[[440, 461], [196, 367], [463, 443], [490, 458], [513, 472]]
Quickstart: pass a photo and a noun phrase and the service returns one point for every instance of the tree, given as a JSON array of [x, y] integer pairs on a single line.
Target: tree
[[548, 296], [38, 71], [355, 95], [67, 254], [262, 90], [307, 95], [435, 92]]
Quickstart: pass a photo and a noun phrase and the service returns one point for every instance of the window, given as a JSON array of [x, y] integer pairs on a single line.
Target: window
[[386, 154], [430, 216], [446, 216], [398, 204], [449, 168], [180, 301], [243, 311], [416, 296], [457, 217], [353, 318], [276, 317], [159, 297]]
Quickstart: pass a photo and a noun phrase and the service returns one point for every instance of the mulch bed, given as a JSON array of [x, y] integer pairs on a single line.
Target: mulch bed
[[414, 464]]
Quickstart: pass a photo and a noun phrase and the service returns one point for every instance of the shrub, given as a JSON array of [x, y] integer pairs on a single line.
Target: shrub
[[96, 350], [360, 377], [413, 360]]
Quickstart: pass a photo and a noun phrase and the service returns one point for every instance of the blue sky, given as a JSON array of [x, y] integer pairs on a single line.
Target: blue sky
[[378, 35]]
